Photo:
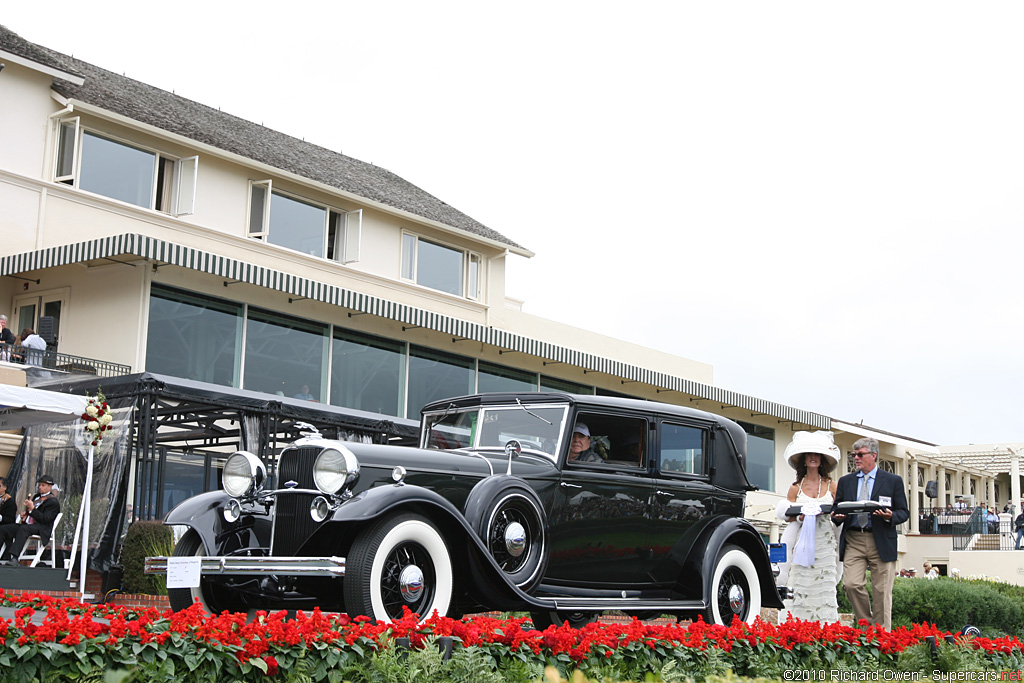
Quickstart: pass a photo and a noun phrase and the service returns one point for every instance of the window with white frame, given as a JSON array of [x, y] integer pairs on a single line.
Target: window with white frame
[[440, 267], [302, 225], [120, 170]]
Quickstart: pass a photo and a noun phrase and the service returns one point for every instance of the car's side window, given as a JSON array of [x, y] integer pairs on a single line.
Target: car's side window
[[682, 449], [613, 440]]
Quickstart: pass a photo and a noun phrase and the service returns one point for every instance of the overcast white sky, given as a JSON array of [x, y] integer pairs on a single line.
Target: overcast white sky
[[822, 200]]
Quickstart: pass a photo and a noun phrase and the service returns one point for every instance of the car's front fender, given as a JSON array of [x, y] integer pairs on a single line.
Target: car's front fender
[[488, 582], [202, 513], [374, 502]]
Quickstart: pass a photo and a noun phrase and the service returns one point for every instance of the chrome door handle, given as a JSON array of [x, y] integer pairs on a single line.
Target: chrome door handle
[[663, 493], [569, 486]]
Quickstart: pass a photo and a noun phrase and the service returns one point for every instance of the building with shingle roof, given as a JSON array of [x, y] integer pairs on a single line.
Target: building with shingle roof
[[158, 232]]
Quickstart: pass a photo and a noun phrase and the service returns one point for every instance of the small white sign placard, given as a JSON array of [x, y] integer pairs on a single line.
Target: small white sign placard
[[183, 572]]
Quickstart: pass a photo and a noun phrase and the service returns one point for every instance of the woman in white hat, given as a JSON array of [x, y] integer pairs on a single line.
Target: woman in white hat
[[812, 543]]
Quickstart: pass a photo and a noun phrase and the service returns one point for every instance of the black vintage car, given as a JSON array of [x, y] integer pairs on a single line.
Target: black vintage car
[[498, 508]]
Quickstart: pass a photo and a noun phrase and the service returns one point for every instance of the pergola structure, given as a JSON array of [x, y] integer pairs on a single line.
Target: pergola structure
[[179, 432]]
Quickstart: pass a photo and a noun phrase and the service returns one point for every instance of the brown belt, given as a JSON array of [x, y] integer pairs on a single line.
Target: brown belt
[[863, 531]]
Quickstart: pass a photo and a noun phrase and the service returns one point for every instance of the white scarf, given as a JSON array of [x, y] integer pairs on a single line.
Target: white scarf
[[804, 553]]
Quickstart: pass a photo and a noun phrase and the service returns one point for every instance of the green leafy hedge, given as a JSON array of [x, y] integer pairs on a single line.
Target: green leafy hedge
[[951, 604], [145, 539]]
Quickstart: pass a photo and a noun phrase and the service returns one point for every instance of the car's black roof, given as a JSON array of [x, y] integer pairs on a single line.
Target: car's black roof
[[634, 404], [730, 471]]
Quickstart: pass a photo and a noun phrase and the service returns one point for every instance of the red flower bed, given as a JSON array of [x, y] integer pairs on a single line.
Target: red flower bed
[[72, 633]]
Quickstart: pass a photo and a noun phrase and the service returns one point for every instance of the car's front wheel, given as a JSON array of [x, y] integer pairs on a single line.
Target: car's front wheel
[[191, 545], [735, 590], [400, 561]]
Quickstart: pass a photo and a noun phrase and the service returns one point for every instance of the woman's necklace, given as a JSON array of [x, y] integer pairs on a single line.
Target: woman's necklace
[[819, 488]]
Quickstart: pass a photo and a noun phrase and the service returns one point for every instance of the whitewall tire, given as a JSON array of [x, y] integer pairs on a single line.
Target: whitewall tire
[[400, 561]]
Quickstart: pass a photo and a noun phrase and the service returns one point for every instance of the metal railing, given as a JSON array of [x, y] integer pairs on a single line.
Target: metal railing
[[63, 362], [980, 533], [943, 520]]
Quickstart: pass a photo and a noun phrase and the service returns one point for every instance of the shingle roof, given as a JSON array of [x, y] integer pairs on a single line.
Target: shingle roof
[[175, 114]]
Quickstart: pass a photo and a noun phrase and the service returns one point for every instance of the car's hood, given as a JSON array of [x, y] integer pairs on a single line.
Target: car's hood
[[465, 462]]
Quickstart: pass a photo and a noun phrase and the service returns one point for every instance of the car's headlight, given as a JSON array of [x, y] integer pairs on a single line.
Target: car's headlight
[[243, 474], [335, 468]]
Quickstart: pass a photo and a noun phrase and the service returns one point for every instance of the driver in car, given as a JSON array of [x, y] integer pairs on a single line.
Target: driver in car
[[580, 450]]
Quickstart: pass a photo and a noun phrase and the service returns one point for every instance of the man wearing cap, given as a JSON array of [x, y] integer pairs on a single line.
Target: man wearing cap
[[579, 449], [40, 511], [868, 540]]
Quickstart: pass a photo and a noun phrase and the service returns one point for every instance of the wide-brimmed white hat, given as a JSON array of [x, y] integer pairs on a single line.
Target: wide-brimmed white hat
[[812, 442]]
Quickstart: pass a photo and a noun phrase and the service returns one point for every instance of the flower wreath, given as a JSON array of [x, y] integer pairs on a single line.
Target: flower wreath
[[97, 417]]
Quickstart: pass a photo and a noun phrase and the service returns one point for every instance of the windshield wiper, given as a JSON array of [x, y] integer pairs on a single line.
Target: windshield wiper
[[530, 412]]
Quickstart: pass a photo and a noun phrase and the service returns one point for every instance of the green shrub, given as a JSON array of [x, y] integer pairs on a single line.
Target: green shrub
[[951, 604], [145, 539]]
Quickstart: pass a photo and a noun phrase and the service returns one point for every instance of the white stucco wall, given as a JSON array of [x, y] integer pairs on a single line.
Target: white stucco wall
[[23, 125], [1004, 564]]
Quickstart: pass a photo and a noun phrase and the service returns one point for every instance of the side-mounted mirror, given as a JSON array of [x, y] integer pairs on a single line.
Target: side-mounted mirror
[[512, 450]]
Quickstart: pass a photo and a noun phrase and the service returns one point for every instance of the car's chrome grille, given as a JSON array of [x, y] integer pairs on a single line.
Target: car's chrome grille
[[292, 523]]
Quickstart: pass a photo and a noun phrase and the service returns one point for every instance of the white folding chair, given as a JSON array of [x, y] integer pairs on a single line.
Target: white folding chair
[[36, 553]]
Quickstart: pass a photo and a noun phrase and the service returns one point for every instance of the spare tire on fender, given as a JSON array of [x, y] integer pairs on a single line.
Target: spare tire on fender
[[508, 517]]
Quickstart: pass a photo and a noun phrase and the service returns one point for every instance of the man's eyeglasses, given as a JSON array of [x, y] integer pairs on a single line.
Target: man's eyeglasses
[[861, 455]]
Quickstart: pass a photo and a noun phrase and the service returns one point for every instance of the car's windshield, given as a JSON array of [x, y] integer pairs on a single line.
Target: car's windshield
[[538, 428]]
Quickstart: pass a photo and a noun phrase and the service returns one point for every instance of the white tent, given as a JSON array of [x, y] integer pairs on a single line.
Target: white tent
[[23, 406]]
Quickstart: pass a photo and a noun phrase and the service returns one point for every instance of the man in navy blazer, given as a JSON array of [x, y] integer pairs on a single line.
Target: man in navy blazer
[[868, 541]]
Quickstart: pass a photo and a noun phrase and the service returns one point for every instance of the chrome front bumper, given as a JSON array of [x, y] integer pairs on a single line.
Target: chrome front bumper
[[256, 566]]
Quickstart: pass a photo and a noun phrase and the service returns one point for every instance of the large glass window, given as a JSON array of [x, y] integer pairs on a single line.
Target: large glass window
[[491, 377], [761, 455], [367, 372], [116, 170], [435, 375], [297, 225], [285, 356], [303, 226], [193, 336], [440, 267], [123, 171]]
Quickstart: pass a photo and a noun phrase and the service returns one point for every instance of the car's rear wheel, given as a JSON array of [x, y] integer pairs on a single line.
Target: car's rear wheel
[[214, 598], [401, 561], [735, 589], [541, 620], [513, 531]]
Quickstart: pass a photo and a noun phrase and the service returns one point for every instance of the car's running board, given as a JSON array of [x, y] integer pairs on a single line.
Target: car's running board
[[625, 604]]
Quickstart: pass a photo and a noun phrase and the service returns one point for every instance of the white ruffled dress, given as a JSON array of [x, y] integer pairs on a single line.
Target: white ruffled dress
[[814, 588]]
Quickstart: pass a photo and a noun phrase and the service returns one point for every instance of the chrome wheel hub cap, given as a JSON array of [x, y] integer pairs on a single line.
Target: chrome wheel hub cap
[[736, 600], [515, 539], [411, 583]]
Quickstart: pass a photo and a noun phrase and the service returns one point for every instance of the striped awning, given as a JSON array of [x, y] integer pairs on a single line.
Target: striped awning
[[195, 259]]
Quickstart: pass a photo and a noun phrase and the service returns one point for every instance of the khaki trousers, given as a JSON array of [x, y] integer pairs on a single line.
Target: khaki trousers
[[861, 555]]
